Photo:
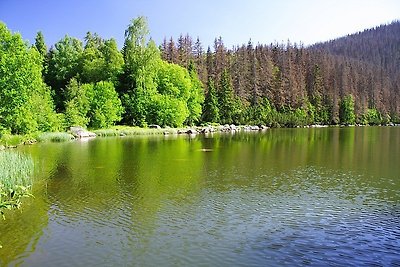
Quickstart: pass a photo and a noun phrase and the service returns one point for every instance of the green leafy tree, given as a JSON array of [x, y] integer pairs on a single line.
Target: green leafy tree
[[77, 105], [94, 105], [178, 92], [25, 103], [138, 79], [64, 64], [346, 111], [105, 106], [101, 60], [154, 91], [114, 60], [210, 107], [196, 96], [166, 110]]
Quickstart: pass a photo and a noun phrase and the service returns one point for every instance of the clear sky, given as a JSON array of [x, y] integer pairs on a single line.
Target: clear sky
[[237, 21]]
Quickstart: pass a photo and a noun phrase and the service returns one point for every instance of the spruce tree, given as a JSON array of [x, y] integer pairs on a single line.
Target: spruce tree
[[40, 44], [210, 107], [226, 98], [346, 112]]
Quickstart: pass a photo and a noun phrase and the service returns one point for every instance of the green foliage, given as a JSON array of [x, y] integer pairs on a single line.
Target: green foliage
[[95, 105], [167, 111], [25, 102], [65, 63], [260, 114], [15, 179], [40, 45], [105, 106], [346, 112], [138, 52], [138, 83], [12, 139], [196, 98], [77, 105], [371, 117], [289, 117], [210, 107], [226, 99], [101, 60], [154, 91]]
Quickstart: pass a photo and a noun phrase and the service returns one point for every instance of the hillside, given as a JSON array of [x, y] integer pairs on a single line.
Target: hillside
[[379, 46]]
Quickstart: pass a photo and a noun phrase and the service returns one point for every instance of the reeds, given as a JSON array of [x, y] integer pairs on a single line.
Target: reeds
[[16, 172]]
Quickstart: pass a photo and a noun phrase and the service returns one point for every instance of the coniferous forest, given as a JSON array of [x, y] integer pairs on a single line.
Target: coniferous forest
[[93, 83]]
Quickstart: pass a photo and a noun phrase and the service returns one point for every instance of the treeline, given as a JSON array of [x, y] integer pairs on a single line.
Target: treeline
[[94, 84], [292, 85]]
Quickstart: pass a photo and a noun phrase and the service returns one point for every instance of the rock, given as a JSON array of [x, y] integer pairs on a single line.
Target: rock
[[2, 147], [191, 131], [30, 142], [263, 127], [233, 127], [79, 132], [255, 128], [207, 130], [166, 133], [154, 126]]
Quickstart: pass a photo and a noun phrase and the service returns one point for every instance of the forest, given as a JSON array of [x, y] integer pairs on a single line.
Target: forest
[[93, 83]]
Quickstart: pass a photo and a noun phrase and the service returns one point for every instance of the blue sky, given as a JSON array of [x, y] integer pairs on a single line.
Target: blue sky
[[237, 21]]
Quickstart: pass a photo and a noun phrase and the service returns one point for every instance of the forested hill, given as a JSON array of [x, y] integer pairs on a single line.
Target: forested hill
[[314, 79], [379, 46]]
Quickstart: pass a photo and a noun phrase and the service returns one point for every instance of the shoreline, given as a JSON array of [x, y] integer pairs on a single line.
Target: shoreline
[[10, 141]]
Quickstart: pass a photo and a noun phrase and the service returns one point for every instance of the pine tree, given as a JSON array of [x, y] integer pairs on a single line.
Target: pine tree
[[346, 112], [41, 47], [226, 98], [210, 107], [40, 44]]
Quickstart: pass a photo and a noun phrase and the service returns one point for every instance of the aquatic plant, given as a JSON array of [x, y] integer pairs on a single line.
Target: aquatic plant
[[16, 172]]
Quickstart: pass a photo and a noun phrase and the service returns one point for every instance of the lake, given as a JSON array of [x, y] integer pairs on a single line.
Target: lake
[[284, 197]]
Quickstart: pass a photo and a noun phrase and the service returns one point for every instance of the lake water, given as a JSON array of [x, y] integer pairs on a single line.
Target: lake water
[[284, 197]]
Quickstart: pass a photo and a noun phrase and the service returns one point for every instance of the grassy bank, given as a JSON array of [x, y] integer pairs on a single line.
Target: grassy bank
[[9, 140], [126, 130], [16, 172]]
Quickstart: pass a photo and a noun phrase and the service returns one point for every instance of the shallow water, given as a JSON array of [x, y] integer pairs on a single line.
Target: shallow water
[[284, 197]]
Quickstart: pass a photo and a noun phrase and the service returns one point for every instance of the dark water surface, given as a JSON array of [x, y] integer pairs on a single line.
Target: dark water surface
[[286, 197]]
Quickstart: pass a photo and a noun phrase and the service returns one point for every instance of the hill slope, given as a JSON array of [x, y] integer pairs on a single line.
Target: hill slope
[[379, 46]]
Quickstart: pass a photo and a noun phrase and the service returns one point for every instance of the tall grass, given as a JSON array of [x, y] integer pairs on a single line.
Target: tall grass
[[12, 140], [55, 137], [125, 130], [15, 179]]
